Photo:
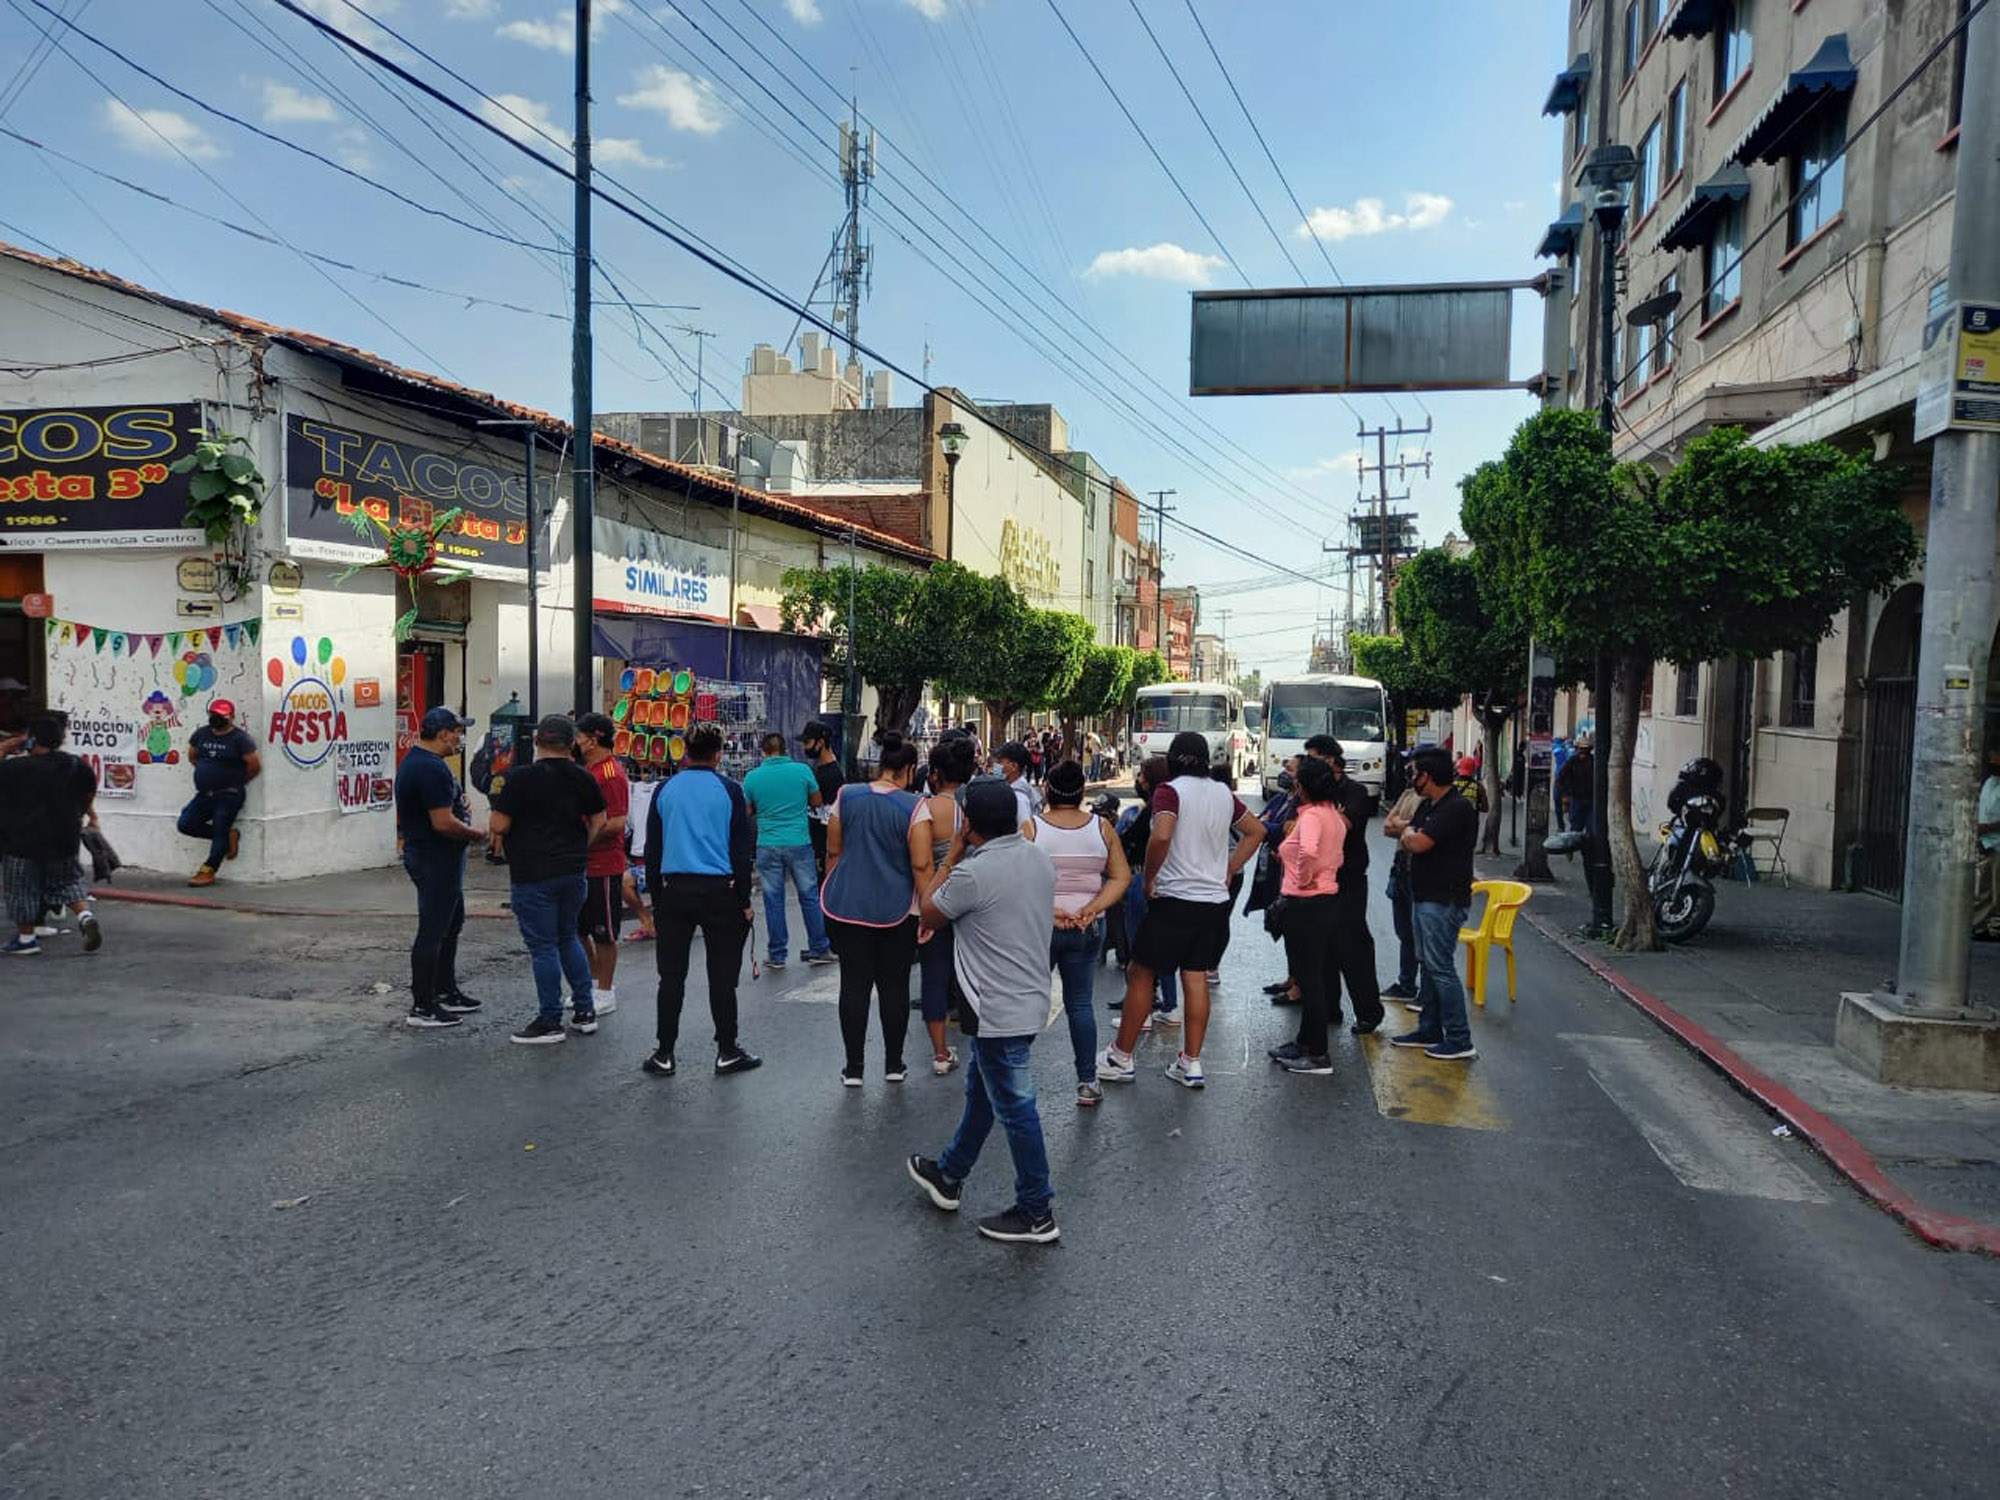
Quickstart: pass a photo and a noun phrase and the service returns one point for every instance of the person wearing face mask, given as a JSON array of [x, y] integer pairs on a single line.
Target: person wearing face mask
[[225, 763], [434, 823]]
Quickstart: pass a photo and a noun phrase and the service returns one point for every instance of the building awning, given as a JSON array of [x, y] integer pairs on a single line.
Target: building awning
[[1829, 76], [1560, 242], [1693, 18], [1691, 226], [1567, 92]]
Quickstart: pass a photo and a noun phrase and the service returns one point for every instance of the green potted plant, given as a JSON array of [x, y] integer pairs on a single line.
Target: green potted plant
[[226, 491]]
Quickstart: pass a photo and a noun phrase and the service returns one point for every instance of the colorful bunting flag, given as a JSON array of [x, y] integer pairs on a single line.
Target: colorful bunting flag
[[215, 637], [153, 642], [97, 635]]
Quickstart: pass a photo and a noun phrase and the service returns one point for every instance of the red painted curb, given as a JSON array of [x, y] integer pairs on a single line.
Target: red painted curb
[[202, 903], [1841, 1151]]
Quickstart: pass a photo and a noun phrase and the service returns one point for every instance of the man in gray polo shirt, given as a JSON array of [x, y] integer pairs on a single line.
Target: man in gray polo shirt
[[996, 890]]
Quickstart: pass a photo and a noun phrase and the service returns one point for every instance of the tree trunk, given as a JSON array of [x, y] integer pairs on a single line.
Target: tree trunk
[[1636, 932], [1490, 726]]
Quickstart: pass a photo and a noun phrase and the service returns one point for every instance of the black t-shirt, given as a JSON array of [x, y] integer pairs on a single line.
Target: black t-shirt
[[425, 782], [1443, 874], [219, 759], [830, 780], [547, 803], [42, 802], [1355, 806]]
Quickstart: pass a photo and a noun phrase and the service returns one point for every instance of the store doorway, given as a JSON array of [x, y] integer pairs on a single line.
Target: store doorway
[[23, 659], [1888, 739]]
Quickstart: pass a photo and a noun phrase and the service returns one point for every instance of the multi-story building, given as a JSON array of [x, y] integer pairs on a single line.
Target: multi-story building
[[1182, 610], [1799, 279]]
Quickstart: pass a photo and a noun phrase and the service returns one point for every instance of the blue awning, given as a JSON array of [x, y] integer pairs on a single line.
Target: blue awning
[[1567, 92], [1560, 242], [1691, 226], [1830, 75], [1693, 18]]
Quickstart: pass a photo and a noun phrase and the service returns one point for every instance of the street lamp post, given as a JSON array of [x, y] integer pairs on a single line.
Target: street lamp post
[[1611, 169], [850, 698], [951, 438]]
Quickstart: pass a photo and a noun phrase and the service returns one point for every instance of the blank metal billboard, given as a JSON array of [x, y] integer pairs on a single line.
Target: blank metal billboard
[[1452, 337]]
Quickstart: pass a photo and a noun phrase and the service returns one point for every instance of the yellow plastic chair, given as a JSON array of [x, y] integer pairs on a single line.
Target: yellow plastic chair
[[1504, 900]]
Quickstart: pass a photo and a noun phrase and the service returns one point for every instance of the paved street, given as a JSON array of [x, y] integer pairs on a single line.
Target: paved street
[[266, 1241]]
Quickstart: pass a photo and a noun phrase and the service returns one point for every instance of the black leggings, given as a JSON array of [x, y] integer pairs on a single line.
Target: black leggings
[[874, 959]]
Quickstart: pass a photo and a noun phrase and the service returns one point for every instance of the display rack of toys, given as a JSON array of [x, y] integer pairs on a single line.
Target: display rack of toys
[[657, 706]]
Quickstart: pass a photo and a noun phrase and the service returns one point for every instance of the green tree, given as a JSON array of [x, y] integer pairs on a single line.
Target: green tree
[[1736, 551], [1148, 667], [1033, 665], [1101, 685], [1462, 639], [1409, 681]]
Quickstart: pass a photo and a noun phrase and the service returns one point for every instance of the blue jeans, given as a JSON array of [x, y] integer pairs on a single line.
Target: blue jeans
[[1442, 996], [934, 963], [439, 876], [1074, 955], [1406, 932], [998, 1081], [1579, 815], [1166, 985], [546, 911], [210, 816], [794, 865]]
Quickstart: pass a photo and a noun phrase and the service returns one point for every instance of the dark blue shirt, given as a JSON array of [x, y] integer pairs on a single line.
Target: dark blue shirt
[[220, 758], [699, 824], [424, 782]]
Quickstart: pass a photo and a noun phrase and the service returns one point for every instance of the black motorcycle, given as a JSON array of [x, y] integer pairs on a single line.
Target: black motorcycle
[[1694, 852]]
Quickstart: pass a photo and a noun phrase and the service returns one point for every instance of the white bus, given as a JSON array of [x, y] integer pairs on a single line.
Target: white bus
[[1164, 709], [1354, 710]]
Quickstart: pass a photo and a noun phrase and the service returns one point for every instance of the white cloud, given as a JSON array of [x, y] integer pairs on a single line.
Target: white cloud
[[1340, 465], [1164, 262], [1369, 216], [689, 103], [350, 148], [530, 122], [468, 10], [158, 132], [930, 10], [805, 12], [558, 33], [339, 13], [285, 105]]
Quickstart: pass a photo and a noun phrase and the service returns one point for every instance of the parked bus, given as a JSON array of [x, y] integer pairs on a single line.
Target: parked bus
[[1164, 709], [1354, 710]]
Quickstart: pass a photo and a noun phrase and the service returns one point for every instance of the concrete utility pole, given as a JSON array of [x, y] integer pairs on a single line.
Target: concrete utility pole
[[1386, 548], [1952, 664], [583, 469], [1160, 509]]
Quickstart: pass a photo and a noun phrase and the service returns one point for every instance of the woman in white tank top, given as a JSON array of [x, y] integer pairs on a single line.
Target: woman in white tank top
[[1091, 877]]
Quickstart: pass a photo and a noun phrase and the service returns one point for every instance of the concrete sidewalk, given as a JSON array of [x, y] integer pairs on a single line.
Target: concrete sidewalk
[[1757, 995], [355, 893]]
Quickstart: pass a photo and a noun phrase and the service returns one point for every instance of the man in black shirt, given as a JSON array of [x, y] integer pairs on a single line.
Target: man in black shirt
[[45, 795], [225, 763], [549, 812], [1439, 840], [434, 822], [816, 742]]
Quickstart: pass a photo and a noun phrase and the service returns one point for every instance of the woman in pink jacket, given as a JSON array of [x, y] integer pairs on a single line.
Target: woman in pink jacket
[[1311, 854]]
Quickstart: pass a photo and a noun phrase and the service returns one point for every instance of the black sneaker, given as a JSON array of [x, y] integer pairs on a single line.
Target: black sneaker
[[1012, 1226], [926, 1174], [1286, 1052], [1363, 1028], [660, 1064], [428, 1017], [539, 1032], [457, 1004], [93, 935], [1452, 1052], [1398, 991], [1414, 1039], [1288, 998], [1279, 988], [895, 1073], [1318, 1066], [584, 1021], [736, 1060]]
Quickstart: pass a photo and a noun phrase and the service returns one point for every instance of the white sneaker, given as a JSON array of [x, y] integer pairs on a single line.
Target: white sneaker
[[1168, 1017], [606, 1001], [1186, 1071], [1113, 1069], [42, 932]]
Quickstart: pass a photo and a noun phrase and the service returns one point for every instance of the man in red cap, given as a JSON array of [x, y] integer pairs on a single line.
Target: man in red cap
[[225, 762]]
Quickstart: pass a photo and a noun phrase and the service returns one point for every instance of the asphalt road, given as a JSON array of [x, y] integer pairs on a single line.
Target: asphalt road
[[1579, 1267]]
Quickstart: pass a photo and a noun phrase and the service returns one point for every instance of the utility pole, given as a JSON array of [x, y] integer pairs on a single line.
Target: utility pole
[[534, 568], [583, 470], [1160, 509], [1387, 550], [853, 277], [1933, 969]]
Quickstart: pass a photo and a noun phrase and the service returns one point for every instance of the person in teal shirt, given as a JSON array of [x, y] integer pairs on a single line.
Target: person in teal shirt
[[781, 793]]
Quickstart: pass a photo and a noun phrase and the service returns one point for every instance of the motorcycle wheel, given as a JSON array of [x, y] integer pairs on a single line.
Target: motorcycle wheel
[[1681, 915]]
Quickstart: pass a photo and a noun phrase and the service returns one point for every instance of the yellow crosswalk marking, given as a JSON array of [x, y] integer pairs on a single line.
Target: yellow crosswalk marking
[[1410, 1086]]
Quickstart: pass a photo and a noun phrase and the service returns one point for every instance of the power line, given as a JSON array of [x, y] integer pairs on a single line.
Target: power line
[[1132, 120]]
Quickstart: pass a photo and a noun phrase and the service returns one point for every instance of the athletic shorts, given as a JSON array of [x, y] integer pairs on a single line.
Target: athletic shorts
[[1176, 934], [603, 908]]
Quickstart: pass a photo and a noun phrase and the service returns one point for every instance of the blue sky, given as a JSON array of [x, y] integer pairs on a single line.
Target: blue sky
[[1411, 132]]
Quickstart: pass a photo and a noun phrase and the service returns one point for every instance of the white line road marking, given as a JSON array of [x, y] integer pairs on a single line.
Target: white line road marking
[[1707, 1137]]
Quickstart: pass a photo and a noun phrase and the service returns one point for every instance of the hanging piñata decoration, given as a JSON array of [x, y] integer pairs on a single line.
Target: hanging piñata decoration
[[410, 550]]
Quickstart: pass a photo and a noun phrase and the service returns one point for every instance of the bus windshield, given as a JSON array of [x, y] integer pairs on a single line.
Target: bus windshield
[[1301, 710], [1207, 712], [1253, 717]]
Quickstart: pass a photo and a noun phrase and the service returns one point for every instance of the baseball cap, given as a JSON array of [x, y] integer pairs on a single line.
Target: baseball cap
[[224, 707], [1467, 766], [556, 731], [991, 808], [438, 720]]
